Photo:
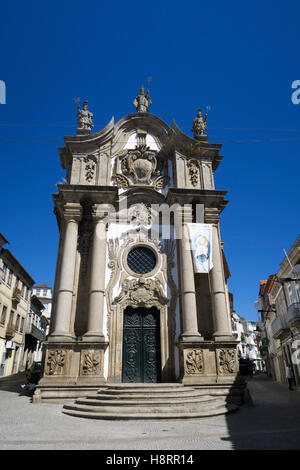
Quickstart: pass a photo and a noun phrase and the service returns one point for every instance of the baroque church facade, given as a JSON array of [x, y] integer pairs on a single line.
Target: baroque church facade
[[128, 306]]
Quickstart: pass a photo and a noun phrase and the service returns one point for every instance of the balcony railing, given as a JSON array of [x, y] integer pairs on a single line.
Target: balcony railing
[[35, 332], [293, 314], [279, 328]]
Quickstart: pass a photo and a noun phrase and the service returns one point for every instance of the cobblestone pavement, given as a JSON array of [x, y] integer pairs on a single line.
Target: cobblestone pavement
[[272, 421]]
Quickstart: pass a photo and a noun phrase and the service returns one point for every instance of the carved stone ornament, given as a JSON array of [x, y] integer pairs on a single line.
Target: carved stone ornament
[[194, 361], [56, 361], [140, 167], [139, 214], [227, 361], [142, 292], [90, 363], [193, 168], [89, 168]]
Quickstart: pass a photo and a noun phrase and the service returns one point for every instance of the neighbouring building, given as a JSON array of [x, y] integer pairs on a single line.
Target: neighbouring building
[[36, 326], [279, 306], [250, 343], [15, 298], [44, 293], [247, 333], [140, 293]]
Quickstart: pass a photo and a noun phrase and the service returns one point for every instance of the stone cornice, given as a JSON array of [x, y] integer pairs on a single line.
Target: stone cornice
[[80, 194], [211, 216], [210, 198], [3, 240], [85, 143]]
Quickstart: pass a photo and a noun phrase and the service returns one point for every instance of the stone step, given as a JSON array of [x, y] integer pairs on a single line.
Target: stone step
[[153, 386], [149, 401], [148, 408], [92, 400], [186, 414], [149, 389], [136, 396]]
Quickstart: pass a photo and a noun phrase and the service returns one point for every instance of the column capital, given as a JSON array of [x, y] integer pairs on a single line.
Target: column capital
[[72, 212], [99, 212], [211, 216]]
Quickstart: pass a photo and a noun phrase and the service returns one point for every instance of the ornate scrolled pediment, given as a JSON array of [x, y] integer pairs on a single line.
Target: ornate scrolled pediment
[[142, 292]]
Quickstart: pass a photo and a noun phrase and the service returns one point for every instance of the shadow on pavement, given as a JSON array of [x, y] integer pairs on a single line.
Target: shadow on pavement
[[12, 383], [269, 419]]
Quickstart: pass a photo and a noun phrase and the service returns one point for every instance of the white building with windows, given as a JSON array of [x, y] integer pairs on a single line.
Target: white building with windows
[[44, 293], [246, 332]]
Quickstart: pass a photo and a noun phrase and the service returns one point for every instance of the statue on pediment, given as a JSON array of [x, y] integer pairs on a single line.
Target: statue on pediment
[[142, 101], [84, 119], [199, 124]]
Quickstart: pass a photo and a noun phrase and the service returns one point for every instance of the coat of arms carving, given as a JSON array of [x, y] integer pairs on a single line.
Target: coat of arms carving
[[140, 166]]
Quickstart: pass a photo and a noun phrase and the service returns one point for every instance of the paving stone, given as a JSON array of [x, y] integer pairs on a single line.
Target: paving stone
[[271, 422]]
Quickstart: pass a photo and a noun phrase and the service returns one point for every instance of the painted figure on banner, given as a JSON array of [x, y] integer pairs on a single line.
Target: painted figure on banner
[[202, 249], [200, 239]]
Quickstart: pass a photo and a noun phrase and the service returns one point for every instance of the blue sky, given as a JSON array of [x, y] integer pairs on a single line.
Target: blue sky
[[240, 58]]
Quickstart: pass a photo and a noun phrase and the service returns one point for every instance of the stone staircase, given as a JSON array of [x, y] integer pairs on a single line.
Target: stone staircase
[[148, 401]]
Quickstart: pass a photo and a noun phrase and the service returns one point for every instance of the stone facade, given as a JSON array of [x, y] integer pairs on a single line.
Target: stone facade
[[15, 303], [279, 307], [118, 253]]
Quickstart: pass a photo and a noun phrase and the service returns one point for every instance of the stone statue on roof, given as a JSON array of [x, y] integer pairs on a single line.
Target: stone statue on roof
[[199, 124], [142, 101], [84, 119]]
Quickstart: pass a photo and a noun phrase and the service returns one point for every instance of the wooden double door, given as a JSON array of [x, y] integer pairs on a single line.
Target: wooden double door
[[141, 345]]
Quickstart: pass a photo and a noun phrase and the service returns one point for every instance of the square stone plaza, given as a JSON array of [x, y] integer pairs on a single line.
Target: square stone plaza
[[269, 421]]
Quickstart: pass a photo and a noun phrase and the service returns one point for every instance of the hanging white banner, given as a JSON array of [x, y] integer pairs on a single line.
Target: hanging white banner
[[201, 245]]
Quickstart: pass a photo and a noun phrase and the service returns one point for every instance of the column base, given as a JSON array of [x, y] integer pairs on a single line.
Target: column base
[[61, 337], [93, 337], [223, 336], [191, 338]]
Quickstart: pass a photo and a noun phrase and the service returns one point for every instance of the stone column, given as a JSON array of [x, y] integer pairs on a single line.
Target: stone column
[[190, 331], [97, 280], [62, 318], [218, 291]]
